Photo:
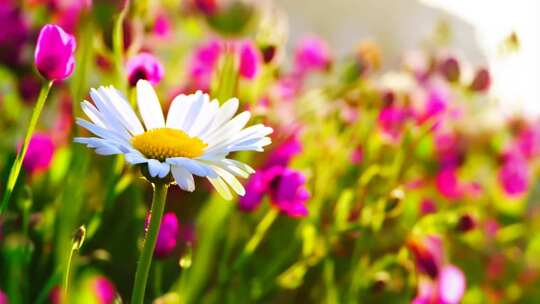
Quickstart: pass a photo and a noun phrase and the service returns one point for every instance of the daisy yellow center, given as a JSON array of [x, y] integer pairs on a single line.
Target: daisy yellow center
[[163, 143]]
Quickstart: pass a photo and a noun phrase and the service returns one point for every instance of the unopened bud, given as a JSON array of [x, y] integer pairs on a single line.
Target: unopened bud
[[78, 238]]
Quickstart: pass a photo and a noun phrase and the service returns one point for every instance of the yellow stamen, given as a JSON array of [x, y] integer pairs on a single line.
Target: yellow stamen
[[162, 143]]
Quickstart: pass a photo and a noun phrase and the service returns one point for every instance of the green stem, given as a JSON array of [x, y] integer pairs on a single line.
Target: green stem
[[16, 168], [67, 273], [143, 267]]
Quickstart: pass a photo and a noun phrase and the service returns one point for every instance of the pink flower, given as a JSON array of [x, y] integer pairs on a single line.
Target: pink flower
[[427, 206], [208, 7], [104, 290], [288, 191], [250, 60], [447, 146], [311, 54], [282, 155], [357, 155], [428, 253], [391, 120], [514, 174], [162, 26], [286, 188], [167, 235], [449, 68], [202, 64], [255, 191], [528, 141], [13, 34], [448, 183], [144, 66], [435, 105], [39, 154], [448, 288], [3, 298], [54, 56]]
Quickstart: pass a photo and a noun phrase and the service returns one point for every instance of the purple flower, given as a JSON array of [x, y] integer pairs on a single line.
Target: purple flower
[[162, 26], [39, 154], [311, 54], [528, 141], [514, 174], [104, 290], [13, 34], [144, 66], [448, 183], [288, 191], [436, 104], [255, 190], [54, 56], [250, 60], [447, 146], [167, 236]]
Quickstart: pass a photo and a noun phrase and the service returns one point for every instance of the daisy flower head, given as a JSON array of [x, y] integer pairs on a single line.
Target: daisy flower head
[[195, 138]]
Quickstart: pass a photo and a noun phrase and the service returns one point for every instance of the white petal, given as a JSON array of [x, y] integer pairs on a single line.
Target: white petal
[[124, 110], [177, 111], [149, 106], [183, 178], [157, 168], [224, 114], [135, 158], [92, 113], [229, 129], [193, 166], [231, 180], [220, 187], [194, 111], [101, 132], [108, 116], [205, 120]]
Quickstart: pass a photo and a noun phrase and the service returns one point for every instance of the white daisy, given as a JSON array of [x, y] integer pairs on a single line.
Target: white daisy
[[194, 139]]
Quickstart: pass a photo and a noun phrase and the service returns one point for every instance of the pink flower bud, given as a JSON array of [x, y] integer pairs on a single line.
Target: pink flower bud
[[104, 290], [144, 66], [481, 81], [39, 154], [54, 56]]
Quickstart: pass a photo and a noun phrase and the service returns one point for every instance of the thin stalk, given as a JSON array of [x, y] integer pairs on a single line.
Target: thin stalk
[[67, 273], [143, 267], [253, 243], [16, 168]]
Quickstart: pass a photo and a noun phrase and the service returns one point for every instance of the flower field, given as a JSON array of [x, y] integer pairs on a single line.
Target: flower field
[[192, 152]]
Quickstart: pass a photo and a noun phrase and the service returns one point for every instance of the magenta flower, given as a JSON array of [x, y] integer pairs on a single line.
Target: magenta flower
[[448, 183], [311, 54], [167, 236], [514, 174], [39, 154], [447, 146], [104, 290], [54, 56], [255, 191], [391, 120], [288, 191], [144, 66], [202, 64], [428, 253], [250, 60], [427, 206], [13, 34], [162, 26], [528, 141], [448, 288], [435, 105], [3, 298], [282, 155], [357, 155]]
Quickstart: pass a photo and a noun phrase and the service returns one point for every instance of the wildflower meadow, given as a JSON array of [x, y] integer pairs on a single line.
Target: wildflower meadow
[[198, 152]]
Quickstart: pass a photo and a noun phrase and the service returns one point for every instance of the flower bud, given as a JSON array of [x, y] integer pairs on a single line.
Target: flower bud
[[54, 56], [449, 68], [481, 81]]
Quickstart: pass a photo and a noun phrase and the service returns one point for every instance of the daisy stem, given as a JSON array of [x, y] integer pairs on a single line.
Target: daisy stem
[[143, 267], [16, 168]]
